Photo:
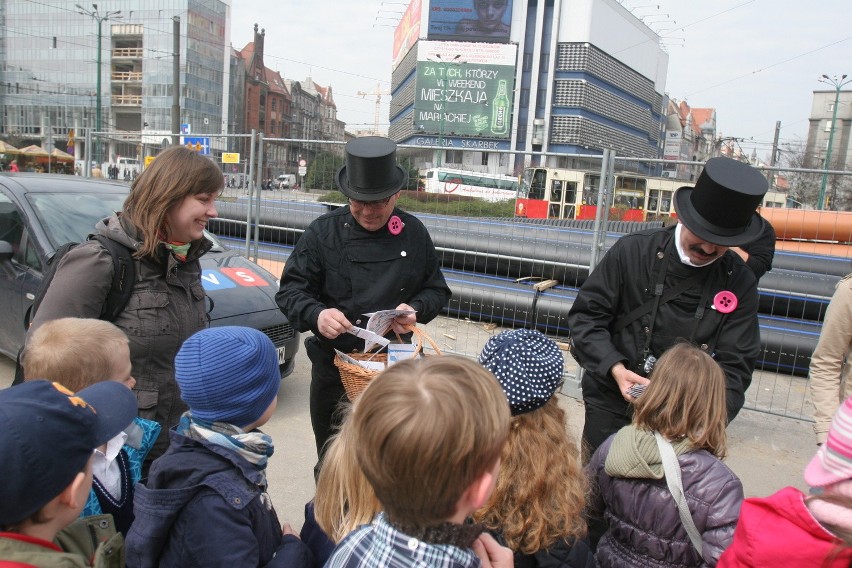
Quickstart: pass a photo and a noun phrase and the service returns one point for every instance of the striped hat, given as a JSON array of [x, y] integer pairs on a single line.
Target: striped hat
[[833, 461], [228, 374]]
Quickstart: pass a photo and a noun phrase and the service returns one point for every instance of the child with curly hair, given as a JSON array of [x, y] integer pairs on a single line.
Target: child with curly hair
[[537, 504]]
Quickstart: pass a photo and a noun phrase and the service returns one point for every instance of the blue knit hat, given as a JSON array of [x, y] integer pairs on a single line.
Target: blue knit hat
[[528, 365], [228, 374]]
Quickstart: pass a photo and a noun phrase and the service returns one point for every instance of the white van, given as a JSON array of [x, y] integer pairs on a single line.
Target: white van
[[286, 181]]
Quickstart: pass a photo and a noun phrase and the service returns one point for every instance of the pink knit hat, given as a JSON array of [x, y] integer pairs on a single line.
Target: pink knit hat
[[833, 460]]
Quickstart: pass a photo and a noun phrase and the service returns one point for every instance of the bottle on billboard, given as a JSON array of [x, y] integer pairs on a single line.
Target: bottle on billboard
[[500, 110]]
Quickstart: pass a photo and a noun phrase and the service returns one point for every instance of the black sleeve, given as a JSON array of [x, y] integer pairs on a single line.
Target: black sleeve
[[301, 282], [593, 313], [762, 251], [434, 292]]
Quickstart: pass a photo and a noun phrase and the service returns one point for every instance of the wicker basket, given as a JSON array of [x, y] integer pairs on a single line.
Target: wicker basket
[[355, 379]]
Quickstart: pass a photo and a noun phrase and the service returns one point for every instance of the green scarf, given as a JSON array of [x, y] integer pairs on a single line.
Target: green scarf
[[179, 250], [634, 454]]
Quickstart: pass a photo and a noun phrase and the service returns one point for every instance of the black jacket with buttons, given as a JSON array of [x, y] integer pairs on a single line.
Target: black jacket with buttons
[[339, 264], [625, 279]]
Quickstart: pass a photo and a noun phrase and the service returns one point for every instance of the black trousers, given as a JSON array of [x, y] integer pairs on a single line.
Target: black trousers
[[328, 398], [600, 424]]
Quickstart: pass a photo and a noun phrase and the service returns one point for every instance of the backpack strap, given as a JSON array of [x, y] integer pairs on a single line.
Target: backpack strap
[[671, 467], [121, 288], [123, 277]]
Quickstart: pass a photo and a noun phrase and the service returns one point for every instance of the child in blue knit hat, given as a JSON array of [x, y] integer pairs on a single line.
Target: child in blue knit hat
[[205, 501]]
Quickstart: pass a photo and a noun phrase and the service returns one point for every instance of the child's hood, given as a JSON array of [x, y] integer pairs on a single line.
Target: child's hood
[[634, 454]]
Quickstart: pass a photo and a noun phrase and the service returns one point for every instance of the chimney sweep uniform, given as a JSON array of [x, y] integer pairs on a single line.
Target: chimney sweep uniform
[[338, 263], [642, 297]]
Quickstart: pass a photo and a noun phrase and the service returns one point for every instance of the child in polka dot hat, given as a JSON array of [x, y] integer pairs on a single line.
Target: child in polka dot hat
[[537, 503], [528, 365]]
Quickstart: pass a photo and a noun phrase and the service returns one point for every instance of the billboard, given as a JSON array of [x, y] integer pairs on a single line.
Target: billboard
[[671, 149], [407, 32], [470, 20], [465, 89]]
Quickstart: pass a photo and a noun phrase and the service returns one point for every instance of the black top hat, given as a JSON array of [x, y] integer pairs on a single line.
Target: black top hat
[[720, 209], [370, 172]]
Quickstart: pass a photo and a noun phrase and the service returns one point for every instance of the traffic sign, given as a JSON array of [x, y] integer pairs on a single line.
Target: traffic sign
[[303, 163], [197, 143], [303, 170], [230, 157], [185, 129]]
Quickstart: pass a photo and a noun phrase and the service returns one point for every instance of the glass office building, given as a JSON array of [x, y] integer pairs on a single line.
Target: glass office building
[[49, 64]]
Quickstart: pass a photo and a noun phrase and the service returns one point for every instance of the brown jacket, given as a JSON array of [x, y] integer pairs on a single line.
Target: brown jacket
[[830, 382], [167, 306]]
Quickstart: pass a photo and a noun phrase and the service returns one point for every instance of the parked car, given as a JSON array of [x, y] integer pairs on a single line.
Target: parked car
[[40, 212]]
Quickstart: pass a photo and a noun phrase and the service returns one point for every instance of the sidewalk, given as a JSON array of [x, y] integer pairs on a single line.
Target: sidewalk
[[767, 452]]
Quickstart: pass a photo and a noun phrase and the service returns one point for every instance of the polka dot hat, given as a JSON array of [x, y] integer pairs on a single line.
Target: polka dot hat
[[528, 365]]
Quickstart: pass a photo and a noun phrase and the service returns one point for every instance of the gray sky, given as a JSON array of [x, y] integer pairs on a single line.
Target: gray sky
[[754, 61]]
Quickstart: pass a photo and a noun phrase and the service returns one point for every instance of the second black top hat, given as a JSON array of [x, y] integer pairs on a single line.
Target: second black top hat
[[370, 172]]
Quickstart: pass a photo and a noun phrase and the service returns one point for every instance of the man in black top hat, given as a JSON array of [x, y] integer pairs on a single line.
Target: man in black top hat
[[654, 288], [355, 260]]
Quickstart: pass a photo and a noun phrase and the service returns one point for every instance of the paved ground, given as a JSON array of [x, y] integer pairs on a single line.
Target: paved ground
[[767, 452]]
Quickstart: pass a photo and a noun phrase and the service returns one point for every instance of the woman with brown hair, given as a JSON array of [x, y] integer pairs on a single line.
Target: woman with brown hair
[[162, 223], [536, 508], [650, 520]]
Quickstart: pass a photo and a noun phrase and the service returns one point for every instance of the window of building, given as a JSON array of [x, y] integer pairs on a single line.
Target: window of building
[[453, 156], [484, 161]]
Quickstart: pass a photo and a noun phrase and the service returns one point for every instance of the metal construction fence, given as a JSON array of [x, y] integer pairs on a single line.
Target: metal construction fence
[[518, 233]]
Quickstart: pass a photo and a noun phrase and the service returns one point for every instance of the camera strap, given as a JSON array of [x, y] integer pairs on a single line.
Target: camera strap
[[699, 311], [658, 299], [661, 296]]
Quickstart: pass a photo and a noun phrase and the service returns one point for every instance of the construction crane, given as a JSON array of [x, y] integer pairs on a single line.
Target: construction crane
[[378, 94]]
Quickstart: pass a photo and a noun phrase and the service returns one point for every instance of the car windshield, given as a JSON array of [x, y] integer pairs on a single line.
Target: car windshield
[[70, 217]]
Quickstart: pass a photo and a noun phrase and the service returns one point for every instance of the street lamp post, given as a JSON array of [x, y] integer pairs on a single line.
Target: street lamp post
[[837, 84], [100, 19]]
